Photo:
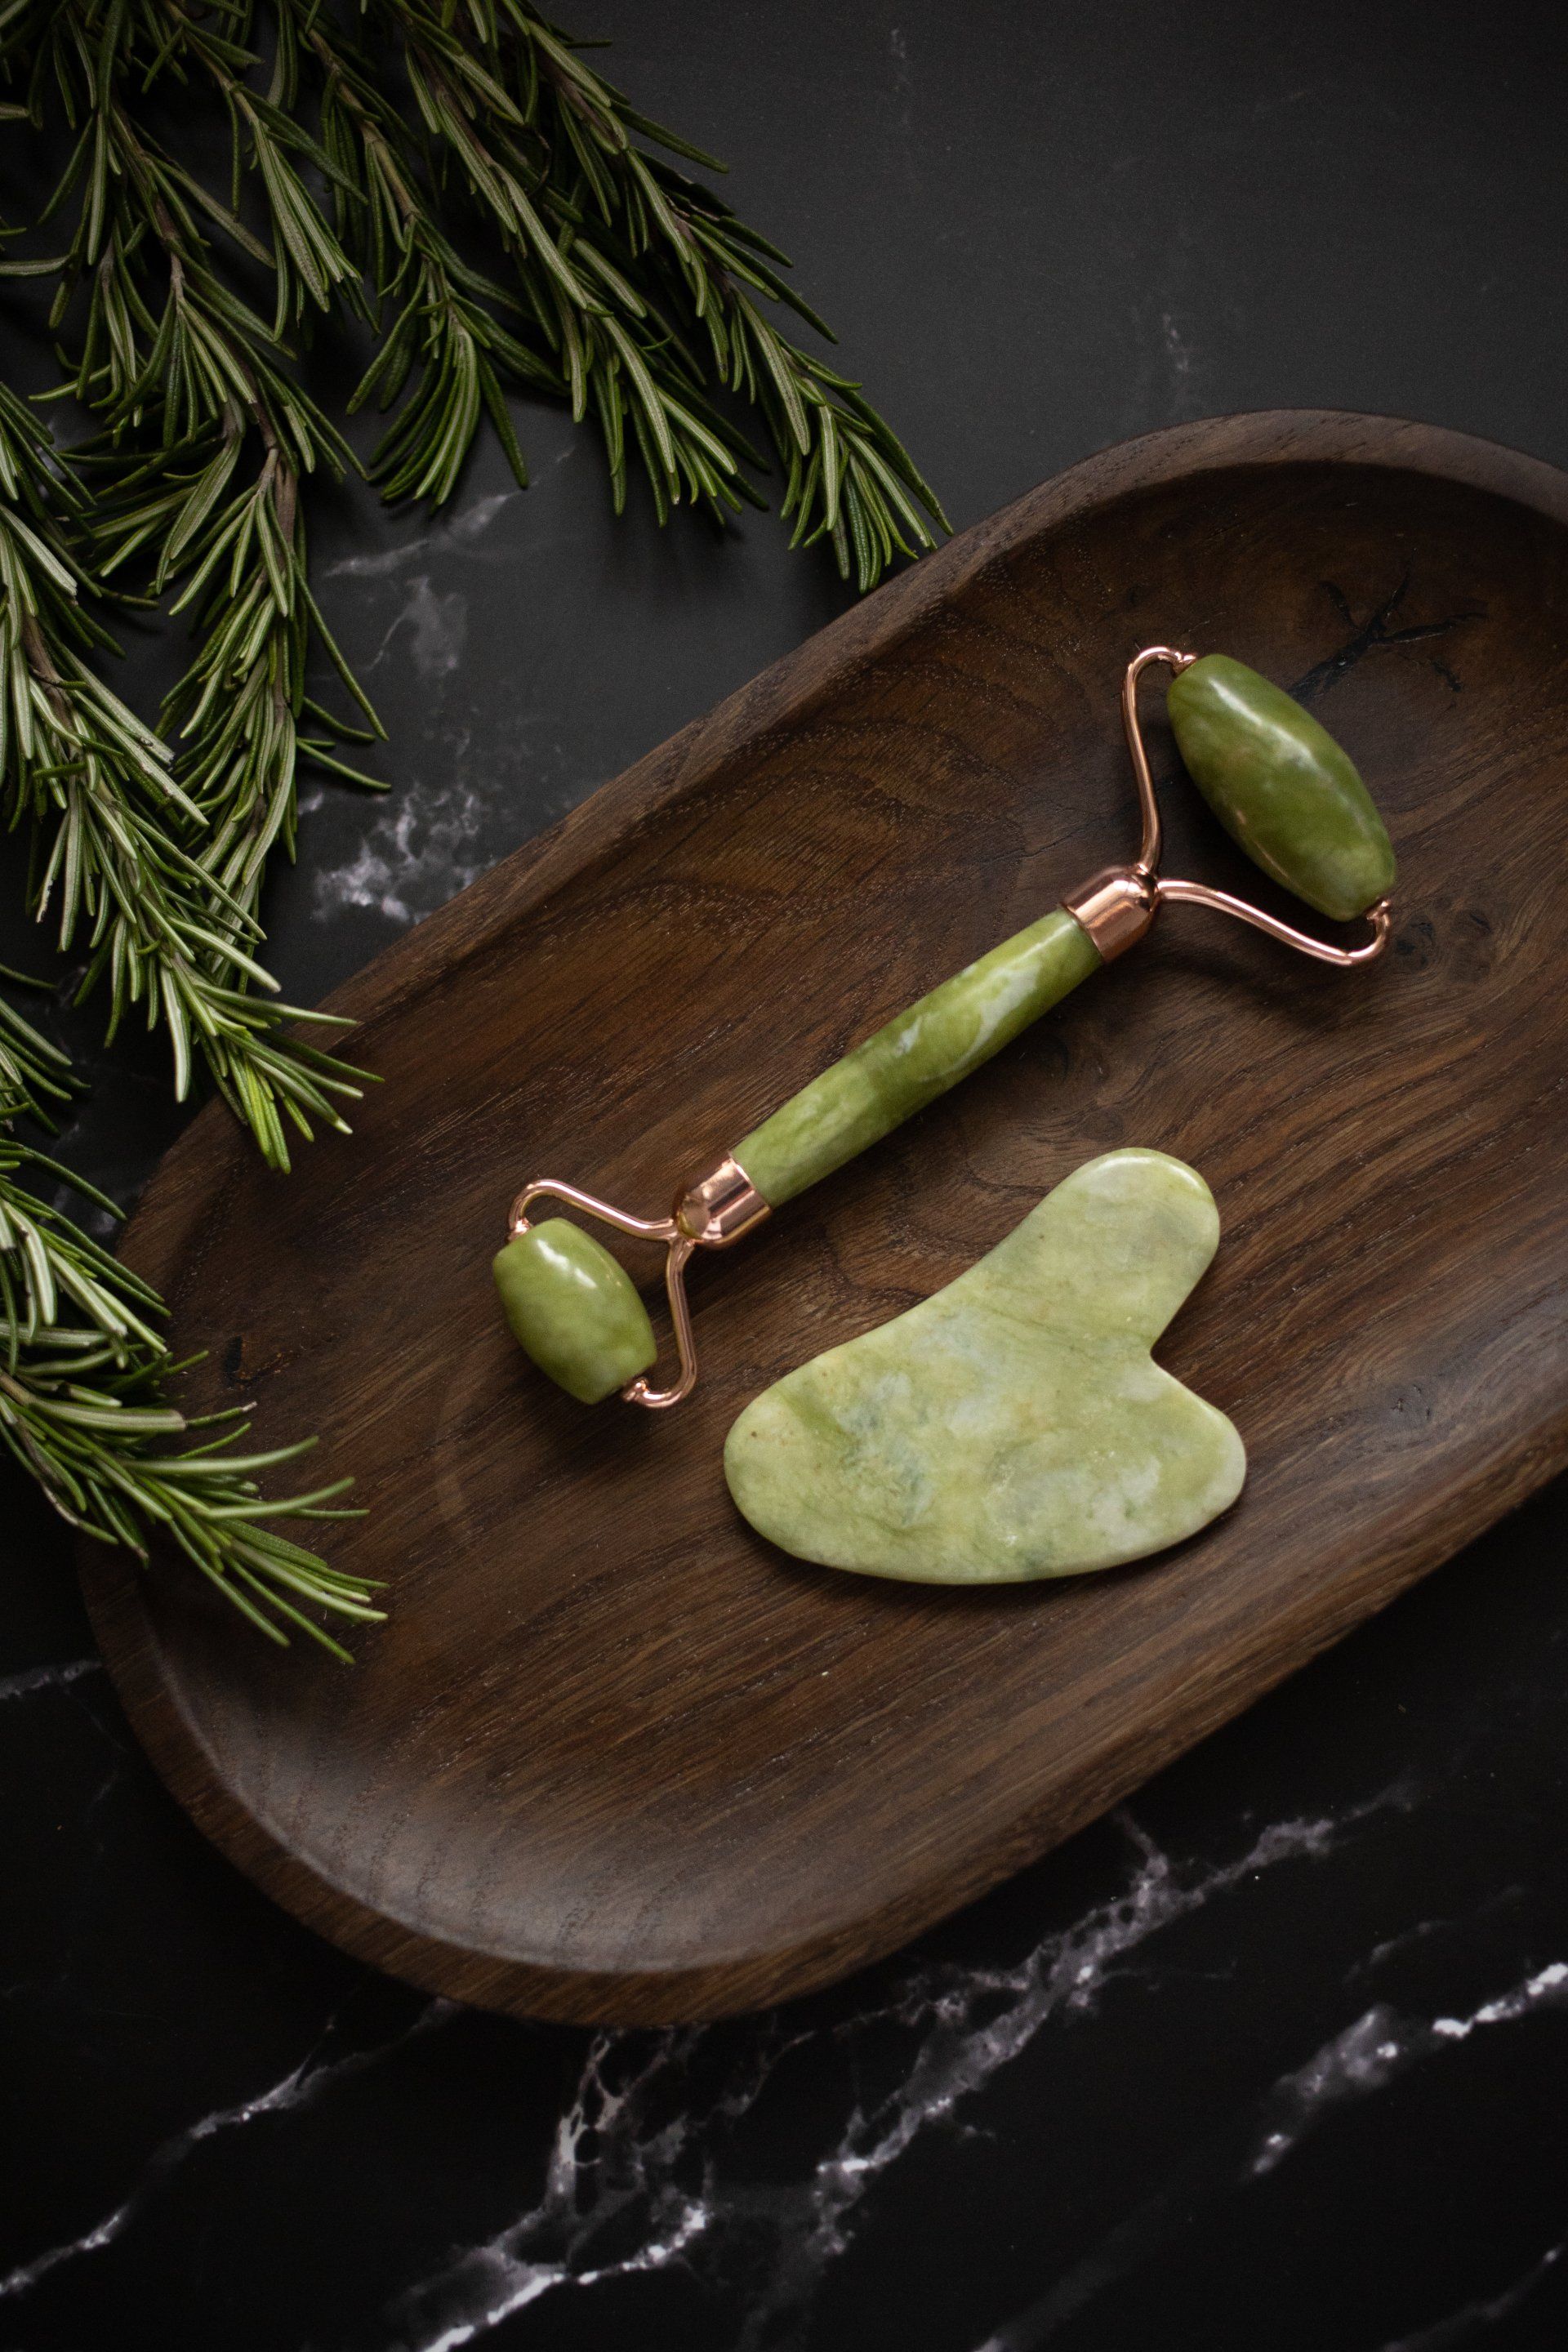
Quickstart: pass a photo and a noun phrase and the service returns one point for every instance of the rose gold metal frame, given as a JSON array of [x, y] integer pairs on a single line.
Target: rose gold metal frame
[[710, 1213], [1115, 906]]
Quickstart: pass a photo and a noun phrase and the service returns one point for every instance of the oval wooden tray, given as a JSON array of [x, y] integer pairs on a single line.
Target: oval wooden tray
[[614, 1757]]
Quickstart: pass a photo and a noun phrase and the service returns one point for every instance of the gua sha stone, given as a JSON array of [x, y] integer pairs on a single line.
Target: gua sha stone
[[1280, 785], [1014, 1425]]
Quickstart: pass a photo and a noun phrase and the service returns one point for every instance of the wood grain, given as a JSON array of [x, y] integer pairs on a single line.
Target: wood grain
[[614, 1757]]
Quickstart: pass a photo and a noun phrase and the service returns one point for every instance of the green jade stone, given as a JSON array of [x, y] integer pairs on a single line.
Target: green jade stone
[[1281, 786], [1014, 1425], [917, 1057], [573, 1309]]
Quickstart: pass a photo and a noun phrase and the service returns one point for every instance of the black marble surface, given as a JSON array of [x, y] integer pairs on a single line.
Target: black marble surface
[[1276, 2058]]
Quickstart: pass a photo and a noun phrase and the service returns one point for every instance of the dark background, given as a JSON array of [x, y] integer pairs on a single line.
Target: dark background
[[1277, 2057]]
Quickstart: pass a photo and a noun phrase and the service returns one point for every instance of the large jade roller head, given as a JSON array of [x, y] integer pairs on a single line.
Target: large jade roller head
[[1281, 787], [1283, 790]]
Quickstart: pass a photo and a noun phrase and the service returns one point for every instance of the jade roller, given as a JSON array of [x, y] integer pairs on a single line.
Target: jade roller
[[1281, 786]]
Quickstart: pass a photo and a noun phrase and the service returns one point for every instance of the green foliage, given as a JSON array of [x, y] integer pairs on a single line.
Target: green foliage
[[83, 1373], [454, 184], [637, 289], [375, 164], [139, 868]]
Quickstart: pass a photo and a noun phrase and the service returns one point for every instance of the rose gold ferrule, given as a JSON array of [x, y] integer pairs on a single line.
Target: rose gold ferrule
[[718, 1208], [1115, 906]]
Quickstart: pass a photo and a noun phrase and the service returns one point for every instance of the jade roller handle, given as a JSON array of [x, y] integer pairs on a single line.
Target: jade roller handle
[[916, 1057]]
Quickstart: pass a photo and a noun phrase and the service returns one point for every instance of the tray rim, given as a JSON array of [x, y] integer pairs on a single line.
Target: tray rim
[[211, 1151]]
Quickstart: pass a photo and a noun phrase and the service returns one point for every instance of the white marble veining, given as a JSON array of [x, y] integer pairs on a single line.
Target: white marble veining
[[1381, 2044], [1357, 2062], [419, 853], [460, 532], [430, 630], [1418, 1932], [1475, 2319], [621, 2173], [301, 2087], [643, 2174], [423, 848], [632, 2183], [34, 1679]]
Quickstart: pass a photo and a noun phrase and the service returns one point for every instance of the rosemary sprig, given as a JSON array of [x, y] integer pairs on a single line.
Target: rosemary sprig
[[120, 860], [190, 384], [631, 291], [448, 331], [621, 214], [83, 1400], [458, 183], [627, 268]]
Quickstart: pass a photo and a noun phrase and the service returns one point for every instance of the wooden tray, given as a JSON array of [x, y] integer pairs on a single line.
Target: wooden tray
[[614, 1757]]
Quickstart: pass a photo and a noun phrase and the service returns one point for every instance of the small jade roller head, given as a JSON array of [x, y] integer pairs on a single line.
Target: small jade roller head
[[575, 1310], [1279, 785]]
